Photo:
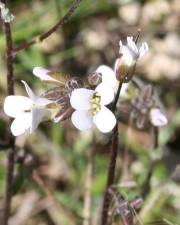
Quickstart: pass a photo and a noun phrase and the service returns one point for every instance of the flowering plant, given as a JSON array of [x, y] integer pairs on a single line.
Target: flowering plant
[[87, 103]]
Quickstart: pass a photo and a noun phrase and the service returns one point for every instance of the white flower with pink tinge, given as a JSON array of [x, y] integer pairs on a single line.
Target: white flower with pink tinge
[[27, 112], [90, 108], [130, 52]]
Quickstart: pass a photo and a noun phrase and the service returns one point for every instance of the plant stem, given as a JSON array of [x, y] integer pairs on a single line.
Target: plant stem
[[46, 34], [153, 164], [88, 188], [112, 165], [11, 151]]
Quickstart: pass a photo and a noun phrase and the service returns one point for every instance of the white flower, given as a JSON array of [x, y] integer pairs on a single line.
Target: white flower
[[130, 52], [90, 108], [27, 111], [157, 118], [109, 78]]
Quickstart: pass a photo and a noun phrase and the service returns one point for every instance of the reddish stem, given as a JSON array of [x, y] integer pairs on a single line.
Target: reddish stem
[[11, 151], [46, 34], [112, 165]]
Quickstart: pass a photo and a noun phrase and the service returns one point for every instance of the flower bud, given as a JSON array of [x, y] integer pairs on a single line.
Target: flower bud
[[157, 118], [123, 71]]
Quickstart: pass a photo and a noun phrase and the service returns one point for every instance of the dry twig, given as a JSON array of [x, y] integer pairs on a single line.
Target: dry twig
[[46, 34]]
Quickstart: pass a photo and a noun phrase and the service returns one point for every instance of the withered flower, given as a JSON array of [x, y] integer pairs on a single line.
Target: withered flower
[[60, 94], [146, 109]]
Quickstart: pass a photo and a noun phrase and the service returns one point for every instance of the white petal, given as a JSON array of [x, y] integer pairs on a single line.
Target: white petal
[[36, 99], [21, 124], [37, 117], [42, 101], [128, 56], [82, 120], [80, 98], [143, 49], [106, 92], [29, 91], [15, 105], [108, 75], [157, 118], [120, 46], [132, 45], [42, 74], [105, 120]]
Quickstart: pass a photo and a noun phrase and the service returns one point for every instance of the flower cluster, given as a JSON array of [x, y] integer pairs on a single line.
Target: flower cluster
[[87, 103]]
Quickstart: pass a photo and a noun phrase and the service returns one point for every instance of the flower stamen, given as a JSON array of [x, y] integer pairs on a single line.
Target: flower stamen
[[95, 102]]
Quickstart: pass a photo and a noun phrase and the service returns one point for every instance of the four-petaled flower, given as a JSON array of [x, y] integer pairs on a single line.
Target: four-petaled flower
[[90, 108], [27, 111]]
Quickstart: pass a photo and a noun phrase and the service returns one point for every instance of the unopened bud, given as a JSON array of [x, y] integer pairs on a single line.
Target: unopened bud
[[94, 78], [157, 118], [123, 71]]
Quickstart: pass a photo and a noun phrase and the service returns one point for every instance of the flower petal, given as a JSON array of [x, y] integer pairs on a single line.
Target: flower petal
[[42, 74], [29, 91], [120, 46], [21, 124], [42, 101], [80, 98], [15, 105], [36, 99], [157, 118], [128, 56], [106, 92], [132, 45], [108, 75], [104, 120], [82, 120], [143, 49], [38, 116]]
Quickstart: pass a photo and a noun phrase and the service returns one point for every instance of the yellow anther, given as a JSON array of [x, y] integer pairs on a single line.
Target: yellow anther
[[95, 100]]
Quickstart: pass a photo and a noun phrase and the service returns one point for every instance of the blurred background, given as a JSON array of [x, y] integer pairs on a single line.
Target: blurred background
[[55, 164]]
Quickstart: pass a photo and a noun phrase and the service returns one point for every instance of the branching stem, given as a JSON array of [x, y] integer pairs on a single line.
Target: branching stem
[[46, 34]]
